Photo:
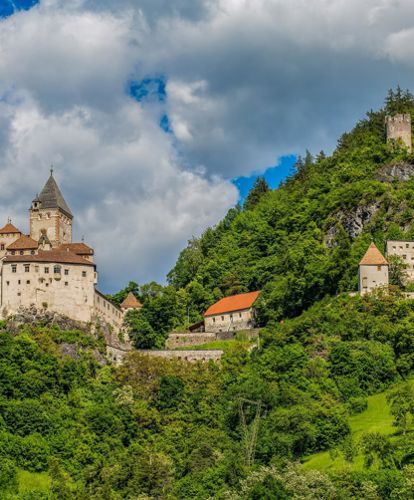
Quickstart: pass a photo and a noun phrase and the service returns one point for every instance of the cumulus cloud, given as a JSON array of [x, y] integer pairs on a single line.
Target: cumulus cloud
[[247, 81]]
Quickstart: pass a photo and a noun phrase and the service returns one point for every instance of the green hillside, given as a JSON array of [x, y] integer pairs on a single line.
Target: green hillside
[[376, 418], [297, 243], [317, 410]]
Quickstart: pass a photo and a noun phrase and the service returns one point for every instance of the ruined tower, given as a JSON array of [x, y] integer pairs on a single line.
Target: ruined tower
[[398, 127], [50, 215]]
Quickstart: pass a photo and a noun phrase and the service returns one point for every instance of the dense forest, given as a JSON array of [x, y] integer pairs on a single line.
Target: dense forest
[[74, 427]]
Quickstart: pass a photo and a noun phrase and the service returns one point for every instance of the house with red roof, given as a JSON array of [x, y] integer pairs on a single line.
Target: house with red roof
[[232, 314]]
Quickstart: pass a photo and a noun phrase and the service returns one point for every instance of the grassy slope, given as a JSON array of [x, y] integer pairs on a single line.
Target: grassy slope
[[376, 418], [33, 481]]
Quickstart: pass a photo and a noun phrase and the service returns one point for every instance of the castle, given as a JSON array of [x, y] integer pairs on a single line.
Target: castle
[[45, 269]]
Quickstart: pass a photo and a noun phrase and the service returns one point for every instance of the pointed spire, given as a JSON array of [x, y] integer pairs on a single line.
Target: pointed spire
[[51, 196], [373, 257]]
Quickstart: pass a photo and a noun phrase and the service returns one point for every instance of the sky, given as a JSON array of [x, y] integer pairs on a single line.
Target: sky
[[159, 114]]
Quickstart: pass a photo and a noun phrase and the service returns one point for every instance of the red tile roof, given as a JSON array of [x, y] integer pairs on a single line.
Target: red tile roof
[[233, 303], [131, 302], [23, 243], [9, 228], [373, 257], [78, 248], [50, 256]]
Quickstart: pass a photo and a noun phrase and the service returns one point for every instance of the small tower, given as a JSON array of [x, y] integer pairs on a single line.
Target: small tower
[[373, 270], [130, 302], [50, 215], [398, 127]]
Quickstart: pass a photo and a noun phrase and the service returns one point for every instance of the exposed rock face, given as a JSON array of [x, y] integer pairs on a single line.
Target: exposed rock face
[[41, 317], [353, 221], [33, 316], [401, 171]]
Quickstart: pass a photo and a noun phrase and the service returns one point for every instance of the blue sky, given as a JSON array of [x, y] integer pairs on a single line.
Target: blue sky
[[9, 7]]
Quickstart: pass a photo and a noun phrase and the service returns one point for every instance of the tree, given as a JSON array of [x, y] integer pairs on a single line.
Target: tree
[[259, 189], [377, 449], [401, 401], [140, 331], [397, 271], [398, 101], [8, 476], [119, 297]]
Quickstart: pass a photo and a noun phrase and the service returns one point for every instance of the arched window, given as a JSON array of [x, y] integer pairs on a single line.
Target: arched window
[[57, 269]]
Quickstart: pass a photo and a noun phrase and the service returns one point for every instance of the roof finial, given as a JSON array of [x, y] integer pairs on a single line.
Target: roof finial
[[51, 169], [9, 220], [83, 238]]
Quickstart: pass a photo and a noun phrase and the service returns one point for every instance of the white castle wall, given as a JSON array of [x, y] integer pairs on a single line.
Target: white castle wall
[[70, 293]]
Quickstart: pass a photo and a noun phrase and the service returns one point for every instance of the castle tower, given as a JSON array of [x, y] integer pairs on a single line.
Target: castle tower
[[50, 215], [398, 127], [373, 270]]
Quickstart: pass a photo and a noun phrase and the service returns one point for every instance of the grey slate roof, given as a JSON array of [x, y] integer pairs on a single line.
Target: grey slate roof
[[51, 197]]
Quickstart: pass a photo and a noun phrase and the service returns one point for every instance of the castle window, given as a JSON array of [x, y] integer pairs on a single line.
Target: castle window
[[36, 268], [214, 320], [7, 283], [240, 315], [19, 282], [66, 283], [407, 245], [47, 284], [222, 318], [19, 294], [46, 270], [56, 269], [21, 252], [13, 252], [28, 282], [32, 252], [394, 248], [378, 268], [404, 256], [66, 272], [84, 274], [14, 268], [2, 246], [26, 268]]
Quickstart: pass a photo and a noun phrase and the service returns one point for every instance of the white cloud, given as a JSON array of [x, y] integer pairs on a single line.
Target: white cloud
[[247, 81]]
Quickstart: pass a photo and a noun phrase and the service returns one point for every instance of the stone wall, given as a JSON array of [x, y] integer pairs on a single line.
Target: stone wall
[[107, 311], [176, 340], [184, 355], [69, 292], [399, 128], [186, 339], [371, 277], [405, 250], [117, 355]]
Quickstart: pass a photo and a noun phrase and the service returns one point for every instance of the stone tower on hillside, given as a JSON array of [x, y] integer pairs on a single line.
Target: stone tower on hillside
[[398, 127], [50, 216], [373, 270]]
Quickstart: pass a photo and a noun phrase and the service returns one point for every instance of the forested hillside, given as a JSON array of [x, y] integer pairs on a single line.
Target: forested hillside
[[72, 427], [297, 243]]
